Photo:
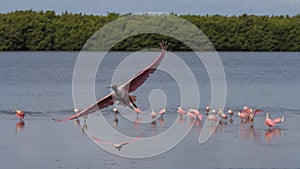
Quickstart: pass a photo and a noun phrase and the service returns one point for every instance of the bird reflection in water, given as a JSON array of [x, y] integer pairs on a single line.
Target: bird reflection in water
[[248, 132], [161, 121], [20, 126], [84, 126], [272, 134], [153, 124]]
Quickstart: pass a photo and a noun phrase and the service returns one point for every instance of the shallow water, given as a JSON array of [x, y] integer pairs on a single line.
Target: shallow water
[[40, 83]]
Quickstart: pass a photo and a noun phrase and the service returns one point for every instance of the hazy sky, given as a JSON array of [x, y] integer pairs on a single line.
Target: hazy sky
[[223, 7]]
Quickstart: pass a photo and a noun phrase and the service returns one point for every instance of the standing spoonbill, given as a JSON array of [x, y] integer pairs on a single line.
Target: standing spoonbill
[[181, 111], [162, 112], [153, 114], [20, 114], [230, 112], [269, 122], [121, 93], [243, 115], [191, 115], [207, 109]]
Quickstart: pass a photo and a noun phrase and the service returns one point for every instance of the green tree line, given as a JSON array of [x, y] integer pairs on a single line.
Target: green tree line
[[46, 30]]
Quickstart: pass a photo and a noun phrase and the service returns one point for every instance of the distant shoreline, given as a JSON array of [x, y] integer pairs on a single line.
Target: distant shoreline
[[47, 31]]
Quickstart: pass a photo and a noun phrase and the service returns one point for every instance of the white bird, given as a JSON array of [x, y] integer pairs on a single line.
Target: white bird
[[117, 145], [121, 93], [153, 114]]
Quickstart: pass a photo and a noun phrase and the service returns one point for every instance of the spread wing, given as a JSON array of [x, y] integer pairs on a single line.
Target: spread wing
[[101, 141], [142, 76], [257, 111], [130, 86], [100, 104]]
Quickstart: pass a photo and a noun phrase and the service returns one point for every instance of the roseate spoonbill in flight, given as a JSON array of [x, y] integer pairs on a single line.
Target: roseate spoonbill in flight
[[269, 122], [20, 114], [118, 145], [121, 93]]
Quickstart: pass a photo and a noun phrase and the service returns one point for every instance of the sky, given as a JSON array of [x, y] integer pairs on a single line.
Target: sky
[[198, 7]]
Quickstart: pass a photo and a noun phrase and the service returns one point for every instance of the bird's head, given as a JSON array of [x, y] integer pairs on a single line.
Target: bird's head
[[114, 87], [76, 110], [115, 110]]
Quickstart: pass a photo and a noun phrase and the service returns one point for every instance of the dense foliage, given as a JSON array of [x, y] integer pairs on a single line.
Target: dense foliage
[[45, 30]]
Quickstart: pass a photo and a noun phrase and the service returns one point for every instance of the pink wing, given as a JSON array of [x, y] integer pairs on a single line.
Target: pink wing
[[103, 102], [123, 143], [101, 141], [131, 86], [257, 111], [141, 77], [134, 139]]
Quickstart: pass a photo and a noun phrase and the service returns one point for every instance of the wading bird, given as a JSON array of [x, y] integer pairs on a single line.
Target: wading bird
[[269, 122], [153, 114], [243, 115], [162, 112], [20, 114], [181, 111], [207, 109], [121, 94], [230, 112]]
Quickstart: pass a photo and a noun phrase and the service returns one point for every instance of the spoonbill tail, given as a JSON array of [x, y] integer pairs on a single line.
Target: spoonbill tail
[[118, 145], [121, 93], [20, 114]]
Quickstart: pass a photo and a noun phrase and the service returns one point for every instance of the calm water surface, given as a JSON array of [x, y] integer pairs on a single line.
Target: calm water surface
[[40, 83]]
